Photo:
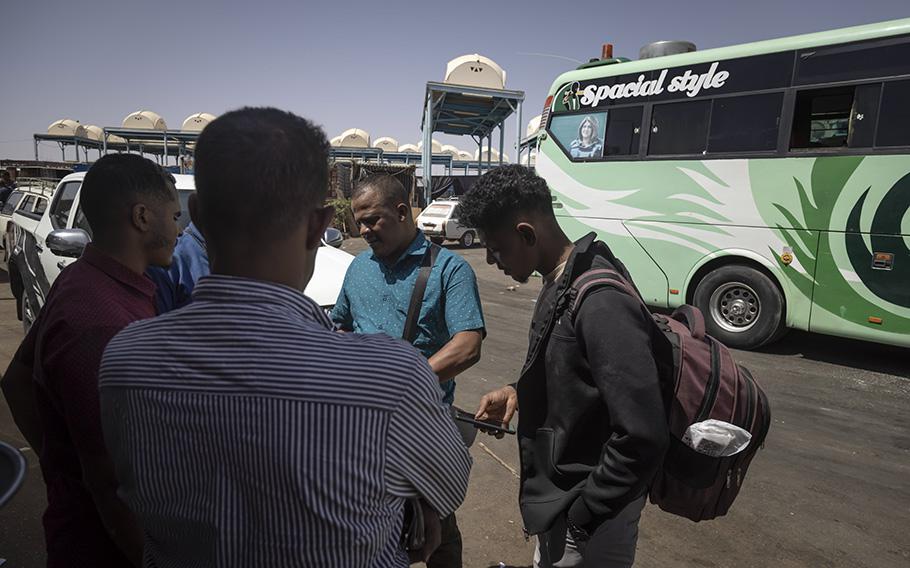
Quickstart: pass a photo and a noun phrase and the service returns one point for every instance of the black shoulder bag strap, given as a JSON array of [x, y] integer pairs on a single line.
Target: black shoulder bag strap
[[410, 324]]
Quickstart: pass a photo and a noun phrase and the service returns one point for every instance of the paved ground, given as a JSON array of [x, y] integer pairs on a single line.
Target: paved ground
[[831, 488]]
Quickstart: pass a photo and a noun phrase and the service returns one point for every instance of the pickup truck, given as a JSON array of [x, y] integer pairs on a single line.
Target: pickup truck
[[45, 243]]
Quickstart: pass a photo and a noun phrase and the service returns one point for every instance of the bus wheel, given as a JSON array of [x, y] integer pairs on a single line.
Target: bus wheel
[[743, 308]]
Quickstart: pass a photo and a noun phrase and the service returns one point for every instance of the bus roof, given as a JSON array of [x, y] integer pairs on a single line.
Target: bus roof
[[842, 35]]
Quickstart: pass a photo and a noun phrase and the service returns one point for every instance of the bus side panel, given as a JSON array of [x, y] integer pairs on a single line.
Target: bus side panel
[[582, 208], [648, 277], [681, 250], [886, 318], [859, 206]]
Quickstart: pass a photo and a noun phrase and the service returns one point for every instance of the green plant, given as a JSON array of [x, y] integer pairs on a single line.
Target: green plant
[[343, 218]]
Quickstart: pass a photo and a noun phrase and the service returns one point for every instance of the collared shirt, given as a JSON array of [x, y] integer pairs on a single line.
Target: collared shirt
[[375, 297], [246, 432], [175, 283], [91, 300]]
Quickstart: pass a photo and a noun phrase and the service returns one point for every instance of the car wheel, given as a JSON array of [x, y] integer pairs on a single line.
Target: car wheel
[[467, 239], [28, 314], [743, 307], [437, 240]]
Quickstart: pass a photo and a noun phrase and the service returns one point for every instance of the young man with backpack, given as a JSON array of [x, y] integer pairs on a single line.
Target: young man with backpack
[[593, 428]]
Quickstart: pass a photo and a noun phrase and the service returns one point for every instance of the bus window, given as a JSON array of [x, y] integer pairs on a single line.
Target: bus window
[[679, 128], [580, 135], [863, 115], [623, 131], [745, 124], [838, 117], [894, 118], [866, 60]]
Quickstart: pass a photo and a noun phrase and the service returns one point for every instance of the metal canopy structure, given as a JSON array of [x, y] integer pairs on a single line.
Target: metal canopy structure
[[527, 144], [78, 142], [157, 142], [464, 110], [160, 143]]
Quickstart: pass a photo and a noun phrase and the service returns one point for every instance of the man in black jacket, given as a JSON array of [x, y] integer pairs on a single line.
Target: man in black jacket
[[593, 429]]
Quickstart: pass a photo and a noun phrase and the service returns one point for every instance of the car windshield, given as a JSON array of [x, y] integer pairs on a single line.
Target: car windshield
[[437, 210]]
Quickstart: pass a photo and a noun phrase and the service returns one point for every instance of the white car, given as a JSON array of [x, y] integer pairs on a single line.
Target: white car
[[27, 199], [440, 223], [46, 244]]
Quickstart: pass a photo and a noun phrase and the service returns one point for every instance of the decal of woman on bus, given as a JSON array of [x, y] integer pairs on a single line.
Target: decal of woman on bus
[[589, 143]]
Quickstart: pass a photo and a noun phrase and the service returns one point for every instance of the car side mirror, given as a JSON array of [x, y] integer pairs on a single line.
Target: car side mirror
[[67, 242], [333, 237]]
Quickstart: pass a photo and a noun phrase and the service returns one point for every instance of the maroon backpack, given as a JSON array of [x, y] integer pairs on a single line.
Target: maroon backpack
[[703, 382]]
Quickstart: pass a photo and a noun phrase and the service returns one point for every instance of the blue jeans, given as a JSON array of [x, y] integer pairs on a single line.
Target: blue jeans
[[611, 546]]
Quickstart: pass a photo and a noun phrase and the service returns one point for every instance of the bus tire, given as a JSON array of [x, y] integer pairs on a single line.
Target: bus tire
[[743, 307]]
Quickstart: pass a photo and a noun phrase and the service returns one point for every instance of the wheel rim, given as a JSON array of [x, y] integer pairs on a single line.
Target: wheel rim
[[468, 239], [735, 307]]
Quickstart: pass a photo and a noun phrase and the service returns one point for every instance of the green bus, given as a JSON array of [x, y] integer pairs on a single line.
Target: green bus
[[766, 183]]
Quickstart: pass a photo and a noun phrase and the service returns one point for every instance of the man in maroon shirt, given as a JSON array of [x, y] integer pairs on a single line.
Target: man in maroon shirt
[[52, 383]]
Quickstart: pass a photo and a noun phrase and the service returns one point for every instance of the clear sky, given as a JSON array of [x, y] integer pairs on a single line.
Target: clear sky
[[343, 64]]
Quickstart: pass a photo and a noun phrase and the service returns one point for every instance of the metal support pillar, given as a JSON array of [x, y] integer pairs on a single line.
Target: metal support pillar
[[518, 137], [427, 150], [36, 149], [502, 138]]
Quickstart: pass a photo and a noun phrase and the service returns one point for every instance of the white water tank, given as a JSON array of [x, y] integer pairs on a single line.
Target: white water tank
[[93, 132], [67, 127], [386, 144], [144, 120], [533, 125], [475, 70], [409, 149], [435, 146], [196, 122], [336, 141], [466, 156], [494, 155], [450, 150], [355, 138]]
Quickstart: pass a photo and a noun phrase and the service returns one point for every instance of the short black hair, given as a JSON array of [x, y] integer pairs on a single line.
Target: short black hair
[[259, 171], [502, 194], [389, 188], [115, 183]]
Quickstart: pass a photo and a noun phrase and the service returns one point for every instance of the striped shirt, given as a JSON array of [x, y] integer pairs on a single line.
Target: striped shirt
[[245, 432]]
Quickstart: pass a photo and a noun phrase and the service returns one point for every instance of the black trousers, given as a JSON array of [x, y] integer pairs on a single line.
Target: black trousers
[[448, 555]]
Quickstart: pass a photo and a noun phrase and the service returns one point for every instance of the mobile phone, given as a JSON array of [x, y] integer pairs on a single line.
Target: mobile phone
[[468, 417]]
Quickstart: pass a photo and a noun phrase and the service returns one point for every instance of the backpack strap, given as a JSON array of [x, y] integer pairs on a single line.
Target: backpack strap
[[420, 286], [591, 280], [693, 318]]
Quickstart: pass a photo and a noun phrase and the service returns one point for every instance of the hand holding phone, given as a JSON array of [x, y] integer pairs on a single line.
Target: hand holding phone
[[488, 426], [498, 407]]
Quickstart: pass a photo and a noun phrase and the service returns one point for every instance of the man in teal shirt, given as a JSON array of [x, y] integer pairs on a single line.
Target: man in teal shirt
[[377, 292]]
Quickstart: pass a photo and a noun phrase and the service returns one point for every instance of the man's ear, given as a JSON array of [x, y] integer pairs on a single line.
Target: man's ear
[[320, 219], [140, 217], [527, 233], [404, 212]]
